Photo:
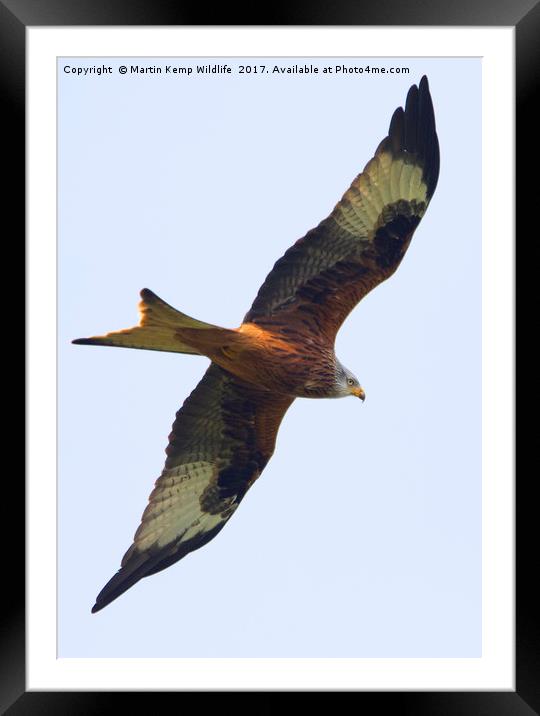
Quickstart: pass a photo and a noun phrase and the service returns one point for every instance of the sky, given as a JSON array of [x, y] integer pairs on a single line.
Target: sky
[[362, 538]]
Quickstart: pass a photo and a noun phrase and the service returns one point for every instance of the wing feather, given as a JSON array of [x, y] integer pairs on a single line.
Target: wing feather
[[221, 440], [322, 277]]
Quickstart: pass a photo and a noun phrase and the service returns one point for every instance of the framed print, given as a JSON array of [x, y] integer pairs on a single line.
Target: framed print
[[194, 183], [230, 121]]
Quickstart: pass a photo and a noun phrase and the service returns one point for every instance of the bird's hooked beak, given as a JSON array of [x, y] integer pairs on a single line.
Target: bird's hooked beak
[[359, 393]]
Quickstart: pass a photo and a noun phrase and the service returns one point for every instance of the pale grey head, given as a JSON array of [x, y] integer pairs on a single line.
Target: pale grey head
[[347, 383]]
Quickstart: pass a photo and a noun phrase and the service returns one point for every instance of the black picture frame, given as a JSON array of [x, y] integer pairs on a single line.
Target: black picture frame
[[524, 15]]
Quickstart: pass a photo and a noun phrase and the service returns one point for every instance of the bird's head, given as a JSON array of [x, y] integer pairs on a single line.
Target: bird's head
[[348, 383]]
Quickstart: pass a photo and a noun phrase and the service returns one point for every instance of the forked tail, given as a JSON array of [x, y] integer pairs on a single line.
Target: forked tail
[[160, 329]]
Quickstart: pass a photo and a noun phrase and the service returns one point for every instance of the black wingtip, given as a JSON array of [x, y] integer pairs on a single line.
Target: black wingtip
[[110, 592], [429, 139], [413, 130], [134, 569], [114, 588], [395, 133], [411, 120]]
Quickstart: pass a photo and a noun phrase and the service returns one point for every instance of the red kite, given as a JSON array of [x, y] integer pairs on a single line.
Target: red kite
[[225, 432]]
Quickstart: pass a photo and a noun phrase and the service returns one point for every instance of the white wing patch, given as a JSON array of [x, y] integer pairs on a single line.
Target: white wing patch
[[174, 511], [384, 181]]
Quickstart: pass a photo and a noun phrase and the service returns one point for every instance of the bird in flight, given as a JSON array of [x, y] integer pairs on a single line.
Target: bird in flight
[[225, 432]]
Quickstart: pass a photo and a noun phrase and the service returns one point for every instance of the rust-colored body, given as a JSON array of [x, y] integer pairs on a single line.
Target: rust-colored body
[[287, 365]]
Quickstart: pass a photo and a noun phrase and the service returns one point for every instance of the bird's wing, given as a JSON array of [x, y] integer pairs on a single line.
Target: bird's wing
[[320, 279], [221, 440]]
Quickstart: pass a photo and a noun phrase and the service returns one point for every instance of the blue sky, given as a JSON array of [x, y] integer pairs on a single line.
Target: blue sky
[[363, 535]]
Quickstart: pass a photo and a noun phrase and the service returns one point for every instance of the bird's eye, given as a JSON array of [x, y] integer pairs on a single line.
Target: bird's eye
[[350, 381]]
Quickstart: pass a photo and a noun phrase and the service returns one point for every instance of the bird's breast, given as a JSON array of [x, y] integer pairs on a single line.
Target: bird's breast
[[274, 362]]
